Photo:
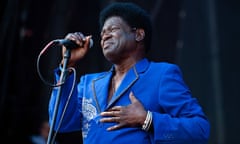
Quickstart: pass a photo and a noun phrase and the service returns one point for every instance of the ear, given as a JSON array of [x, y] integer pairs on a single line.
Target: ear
[[140, 34]]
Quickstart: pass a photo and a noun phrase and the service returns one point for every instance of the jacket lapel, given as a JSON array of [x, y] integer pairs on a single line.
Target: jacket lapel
[[101, 85], [130, 78], [100, 90]]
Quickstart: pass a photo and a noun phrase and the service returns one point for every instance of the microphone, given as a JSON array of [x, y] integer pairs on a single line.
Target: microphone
[[69, 44]]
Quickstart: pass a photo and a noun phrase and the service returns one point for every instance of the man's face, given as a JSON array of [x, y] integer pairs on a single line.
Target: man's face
[[117, 39]]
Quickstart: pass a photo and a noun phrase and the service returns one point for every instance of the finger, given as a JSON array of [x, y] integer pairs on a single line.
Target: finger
[[107, 113], [110, 113], [87, 38], [132, 98], [87, 41], [110, 119], [70, 36], [77, 36], [115, 108], [115, 127]]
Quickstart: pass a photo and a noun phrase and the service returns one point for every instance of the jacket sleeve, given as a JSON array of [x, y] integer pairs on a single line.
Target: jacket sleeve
[[182, 120], [69, 109]]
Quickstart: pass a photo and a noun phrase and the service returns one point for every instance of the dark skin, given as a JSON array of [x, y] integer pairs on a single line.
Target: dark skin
[[123, 46]]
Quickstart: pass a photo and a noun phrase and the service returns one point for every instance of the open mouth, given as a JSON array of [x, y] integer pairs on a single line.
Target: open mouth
[[107, 44]]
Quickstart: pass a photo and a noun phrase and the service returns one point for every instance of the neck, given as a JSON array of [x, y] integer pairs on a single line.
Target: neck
[[124, 66]]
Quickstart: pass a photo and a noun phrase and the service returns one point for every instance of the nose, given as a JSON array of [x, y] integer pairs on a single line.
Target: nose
[[105, 36]]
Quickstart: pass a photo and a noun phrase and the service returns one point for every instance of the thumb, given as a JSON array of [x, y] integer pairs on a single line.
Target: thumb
[[89, 41], [132, 98]]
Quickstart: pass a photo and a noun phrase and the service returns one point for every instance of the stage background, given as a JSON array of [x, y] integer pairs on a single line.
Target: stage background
[[201, 36]]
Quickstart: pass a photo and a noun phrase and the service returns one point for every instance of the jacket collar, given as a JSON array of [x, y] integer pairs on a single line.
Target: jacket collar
[[100, 85]]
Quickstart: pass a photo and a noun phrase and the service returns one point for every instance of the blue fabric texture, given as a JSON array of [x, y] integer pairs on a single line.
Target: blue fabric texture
[[177, 116]]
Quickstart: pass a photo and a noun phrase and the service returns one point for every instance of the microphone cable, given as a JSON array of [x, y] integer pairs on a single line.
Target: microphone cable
[[67, 102], [49, 45]]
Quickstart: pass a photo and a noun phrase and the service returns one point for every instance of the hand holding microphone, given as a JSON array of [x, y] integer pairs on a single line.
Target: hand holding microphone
[[72, 44], [79, 45], [74, 47]]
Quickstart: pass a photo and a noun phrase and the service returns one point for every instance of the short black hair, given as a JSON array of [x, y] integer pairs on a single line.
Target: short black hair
[[133, 15]]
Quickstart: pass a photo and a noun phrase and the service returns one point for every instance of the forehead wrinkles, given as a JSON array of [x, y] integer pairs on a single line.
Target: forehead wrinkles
[[117, 21]]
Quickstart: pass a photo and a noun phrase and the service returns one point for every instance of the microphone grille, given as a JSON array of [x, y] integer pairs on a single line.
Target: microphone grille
[[90, 43]]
